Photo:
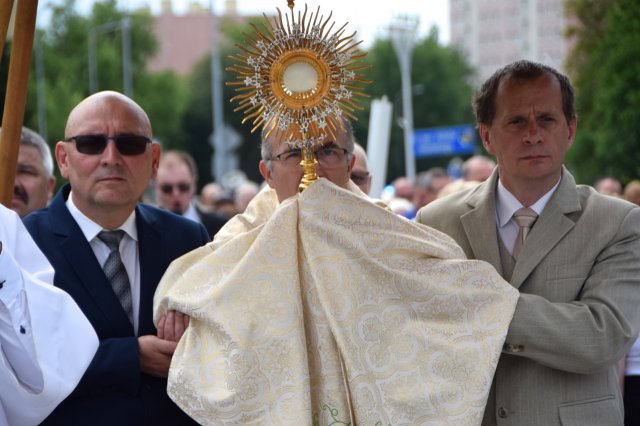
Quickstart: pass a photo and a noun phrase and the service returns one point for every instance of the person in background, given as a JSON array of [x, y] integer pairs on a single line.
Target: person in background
[[608, 186], [46, 342], [109, 252], [243, 194], [477, 168], [632, 192], [208, 194], [175, 188], [34, 183], [578, 270], [360, 173], [403, 188], [428, 185]]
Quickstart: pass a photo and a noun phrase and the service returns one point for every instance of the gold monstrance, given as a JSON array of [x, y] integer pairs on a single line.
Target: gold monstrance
[[298, 78]]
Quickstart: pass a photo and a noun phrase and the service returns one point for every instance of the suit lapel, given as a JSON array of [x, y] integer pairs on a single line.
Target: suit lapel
[[81, 259], [152, 265], [480, 223], [552, 225]]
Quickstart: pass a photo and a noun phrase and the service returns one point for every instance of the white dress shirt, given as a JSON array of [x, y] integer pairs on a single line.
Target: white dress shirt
[[128, 250], [192, 213], [506, 205]]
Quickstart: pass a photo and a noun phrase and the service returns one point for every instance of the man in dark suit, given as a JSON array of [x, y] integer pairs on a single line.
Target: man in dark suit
[[175, 189], [575, 260], [108, 157]]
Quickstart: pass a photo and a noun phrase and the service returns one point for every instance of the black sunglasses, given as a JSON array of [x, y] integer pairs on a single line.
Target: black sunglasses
[[183, 187], [95, 144]]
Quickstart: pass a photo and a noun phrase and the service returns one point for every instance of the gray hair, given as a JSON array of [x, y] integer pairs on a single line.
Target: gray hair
[[267, 143], [31, 138]]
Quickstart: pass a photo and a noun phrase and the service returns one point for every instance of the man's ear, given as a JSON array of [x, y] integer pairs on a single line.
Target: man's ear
[[265, 172], [351, 163], [483, 129], [61, 159], [155, 159]]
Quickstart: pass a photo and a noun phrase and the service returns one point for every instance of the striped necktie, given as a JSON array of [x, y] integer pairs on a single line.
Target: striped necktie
[[116, 272]]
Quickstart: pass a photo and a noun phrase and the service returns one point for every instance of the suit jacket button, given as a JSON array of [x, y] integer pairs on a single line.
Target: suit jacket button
[[502, 413]]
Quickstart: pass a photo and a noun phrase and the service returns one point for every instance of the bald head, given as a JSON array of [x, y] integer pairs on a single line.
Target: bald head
[[110, 172], [360, 173], [95, 108]]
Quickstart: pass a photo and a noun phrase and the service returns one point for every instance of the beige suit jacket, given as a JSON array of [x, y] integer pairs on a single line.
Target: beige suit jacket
[[579, 279]]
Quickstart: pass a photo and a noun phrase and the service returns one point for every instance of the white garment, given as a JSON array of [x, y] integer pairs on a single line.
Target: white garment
[[46, 343]]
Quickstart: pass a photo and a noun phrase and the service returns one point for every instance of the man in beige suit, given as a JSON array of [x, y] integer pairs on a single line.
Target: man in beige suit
[[578, 270]]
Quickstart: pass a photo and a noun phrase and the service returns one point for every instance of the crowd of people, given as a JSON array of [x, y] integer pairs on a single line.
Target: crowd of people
[[129, 284]]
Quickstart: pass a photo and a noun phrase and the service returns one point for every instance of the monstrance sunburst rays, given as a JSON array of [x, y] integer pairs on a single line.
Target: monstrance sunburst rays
[[294, 75]]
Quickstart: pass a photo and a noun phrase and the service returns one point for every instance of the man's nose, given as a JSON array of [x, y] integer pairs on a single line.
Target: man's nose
[[532, 134], [110, 153]]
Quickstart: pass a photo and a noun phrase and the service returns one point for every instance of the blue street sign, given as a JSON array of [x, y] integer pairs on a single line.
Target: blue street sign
[[441, 141]]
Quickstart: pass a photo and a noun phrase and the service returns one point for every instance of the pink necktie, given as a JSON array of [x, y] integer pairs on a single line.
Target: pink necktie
[[525, 218]]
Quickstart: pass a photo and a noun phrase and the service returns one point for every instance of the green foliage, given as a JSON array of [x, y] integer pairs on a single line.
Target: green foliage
[[65, 46], [441, 81], [605, 67], [198, 116]]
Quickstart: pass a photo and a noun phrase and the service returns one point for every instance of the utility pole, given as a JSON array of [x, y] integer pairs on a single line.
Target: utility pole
[[403, 33], [125, 26]]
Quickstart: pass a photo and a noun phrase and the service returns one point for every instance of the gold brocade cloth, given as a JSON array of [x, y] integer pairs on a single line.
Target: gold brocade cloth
[[328, 309]]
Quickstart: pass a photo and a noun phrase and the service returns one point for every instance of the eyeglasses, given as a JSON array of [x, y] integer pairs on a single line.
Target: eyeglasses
[[359, 178], [95, 144], [183, 187], [328, 156]]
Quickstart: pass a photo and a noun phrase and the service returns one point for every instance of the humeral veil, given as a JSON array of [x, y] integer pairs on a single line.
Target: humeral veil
[[328, 309]]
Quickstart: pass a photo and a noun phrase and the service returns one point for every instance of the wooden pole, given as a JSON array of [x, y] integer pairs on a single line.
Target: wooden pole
[[16, 96]]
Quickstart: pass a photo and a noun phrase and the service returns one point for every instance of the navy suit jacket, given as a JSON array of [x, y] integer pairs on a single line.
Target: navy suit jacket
[[211, 221], [113, 390]]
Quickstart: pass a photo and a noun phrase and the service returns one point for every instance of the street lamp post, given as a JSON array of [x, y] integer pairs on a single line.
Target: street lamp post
[[223, 139], [125, 26], [402, 34], [217, 113]]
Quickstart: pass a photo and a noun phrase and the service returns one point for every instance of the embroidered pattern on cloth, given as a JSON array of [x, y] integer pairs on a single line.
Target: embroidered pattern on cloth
[[331, 277]]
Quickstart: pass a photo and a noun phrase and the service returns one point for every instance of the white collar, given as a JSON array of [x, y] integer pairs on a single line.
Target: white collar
[[507, 203], [90, 229]]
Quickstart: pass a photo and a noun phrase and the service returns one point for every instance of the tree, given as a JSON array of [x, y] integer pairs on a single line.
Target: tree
[[197, 120], [65, 48], [442, 90], [605, 67]]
